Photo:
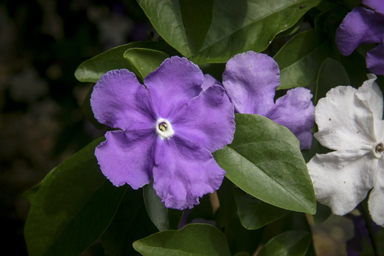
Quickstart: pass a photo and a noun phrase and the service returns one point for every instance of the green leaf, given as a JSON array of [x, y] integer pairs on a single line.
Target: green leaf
[[300, 59], [357, 70], [161, 216], [73, 206], [214, 31], [290, 243], [30, 193], [131, 222], [157, 211], [322, 214], [91, 70], [144, 61], [254, 213], [331, 74], [265, 161], [193, 240], [298, 221], [87, 111]]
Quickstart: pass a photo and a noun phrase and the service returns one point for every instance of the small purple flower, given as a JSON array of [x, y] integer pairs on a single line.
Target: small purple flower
[[167, 131], [251, 79], [364, 26]]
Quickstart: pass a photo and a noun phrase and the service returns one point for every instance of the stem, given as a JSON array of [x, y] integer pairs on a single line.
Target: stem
[[371, 232]]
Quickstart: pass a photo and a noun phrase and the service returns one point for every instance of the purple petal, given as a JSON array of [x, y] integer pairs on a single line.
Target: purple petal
[[251, 79], [360, 26], [376, 5], [209, 81], [375, 60], [120, 101], [208, 119], [296, 111], [127, 157], [183, 172], [173, 84]]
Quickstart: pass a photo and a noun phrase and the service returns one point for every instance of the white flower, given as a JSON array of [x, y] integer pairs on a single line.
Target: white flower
[[350, 122]]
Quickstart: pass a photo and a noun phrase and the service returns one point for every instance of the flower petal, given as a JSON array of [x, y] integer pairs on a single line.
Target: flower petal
[[344, 121], [250, 80], [342, 179], [296, 111], [360, 26], [372, 97], [376, 5], [173, 84], [375, 59], [208, 120], [376, 197], [209, 81], [183, 172], [120, 101], [127, 157]]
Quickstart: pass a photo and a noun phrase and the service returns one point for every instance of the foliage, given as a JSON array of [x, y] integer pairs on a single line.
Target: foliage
[[267, 181]]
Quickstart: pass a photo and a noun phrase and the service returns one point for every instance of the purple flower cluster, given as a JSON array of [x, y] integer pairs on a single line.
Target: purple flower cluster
[[364, 26], [168, 128]]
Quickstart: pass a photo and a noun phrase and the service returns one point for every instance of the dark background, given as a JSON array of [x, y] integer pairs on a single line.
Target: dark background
[[41, 124]]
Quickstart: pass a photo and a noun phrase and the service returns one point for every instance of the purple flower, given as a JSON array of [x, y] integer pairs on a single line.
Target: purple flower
[[364, 26], [167, 131], [251, 79]]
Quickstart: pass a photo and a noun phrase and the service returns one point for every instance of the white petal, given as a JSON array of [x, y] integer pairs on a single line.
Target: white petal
[[372, 97], [370, 94], [344, 121], [376, 197], [342, 179]]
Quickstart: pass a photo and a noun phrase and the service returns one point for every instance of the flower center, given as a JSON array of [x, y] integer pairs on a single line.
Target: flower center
[[164, 128], [379, 148]]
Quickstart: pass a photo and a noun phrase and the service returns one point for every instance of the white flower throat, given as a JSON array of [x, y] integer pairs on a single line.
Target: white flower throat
[[379, 149], [164, 128]]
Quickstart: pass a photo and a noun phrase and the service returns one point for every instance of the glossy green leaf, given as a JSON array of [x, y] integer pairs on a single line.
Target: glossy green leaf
[[214, 31], [356, 68], [87, 111], [193, 240], [131, 222], [91, 70], [161, 216], [30, 193], [290, 243], [157, 211], [73, 206], [265, 161], [298, 221], [331, 74], [254, 213], [300, 59], [322, 214], [144, 61]]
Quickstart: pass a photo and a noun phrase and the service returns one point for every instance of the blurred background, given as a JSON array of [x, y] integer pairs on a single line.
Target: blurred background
[[41, 124], [41, 44]]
